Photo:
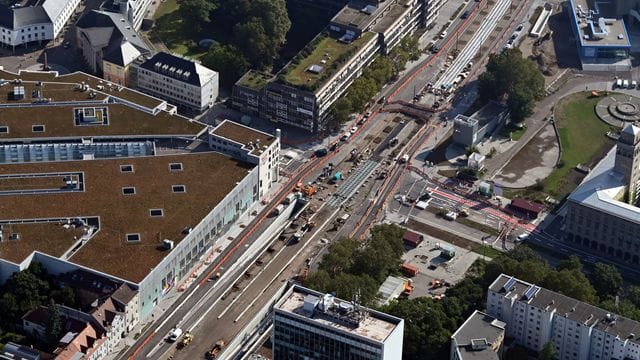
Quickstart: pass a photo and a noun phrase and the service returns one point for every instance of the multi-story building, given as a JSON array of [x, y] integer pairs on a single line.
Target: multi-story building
[[132, 10], [45, 21], [312, 325], [601, 34], [131, 198], [602, 213], [182, 82], [535, 316], [109, 45], [480, 337], [470, 130], [302, 93]]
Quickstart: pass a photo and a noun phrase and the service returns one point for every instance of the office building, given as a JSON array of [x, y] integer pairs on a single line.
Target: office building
[[535, 316], [44, 21], [602, 212], [109, 45], [311, 325], [182, 82], [301, 93], [83, 142], [601, 33], [480, 337]]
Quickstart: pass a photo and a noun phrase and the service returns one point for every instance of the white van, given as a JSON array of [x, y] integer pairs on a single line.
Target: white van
[[618, 83], [174, 334], [346, 136], [625, 83]]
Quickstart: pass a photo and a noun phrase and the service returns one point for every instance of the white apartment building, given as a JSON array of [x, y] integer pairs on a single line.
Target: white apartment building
[[535, 316], [312, 325], [22, 25], [181, 82], [132, 10]]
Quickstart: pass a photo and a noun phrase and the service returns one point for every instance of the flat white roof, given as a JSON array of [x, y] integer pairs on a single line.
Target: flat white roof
[[376, 326]]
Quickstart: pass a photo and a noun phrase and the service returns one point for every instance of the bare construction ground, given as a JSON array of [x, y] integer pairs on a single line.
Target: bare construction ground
[[535, 161]]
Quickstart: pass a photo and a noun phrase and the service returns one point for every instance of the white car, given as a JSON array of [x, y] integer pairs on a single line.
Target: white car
[[443, 35], [522, 237], [354, 129], [175, 334]]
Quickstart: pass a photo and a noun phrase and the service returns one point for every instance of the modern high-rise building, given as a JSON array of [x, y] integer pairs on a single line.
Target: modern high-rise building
[[302, 92], [602, 213], [311, 325], [535, 316]]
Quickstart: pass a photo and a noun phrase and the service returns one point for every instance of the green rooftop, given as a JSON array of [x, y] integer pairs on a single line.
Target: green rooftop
[[333, 52], [254, 79]]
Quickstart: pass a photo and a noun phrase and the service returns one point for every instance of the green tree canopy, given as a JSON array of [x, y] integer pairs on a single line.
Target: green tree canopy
[[195, 13], [513, 78], [53, 324], [228, 61], [548, 352], [606, 280], [571, 263], [261, 28]]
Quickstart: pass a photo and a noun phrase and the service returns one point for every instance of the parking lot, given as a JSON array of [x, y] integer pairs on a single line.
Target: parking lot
[[433, 265]]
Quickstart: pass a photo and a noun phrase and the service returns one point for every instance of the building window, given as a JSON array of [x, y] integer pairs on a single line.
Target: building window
[[156, 212], [128, 190], [126, 168], [4, 129], [135, 237], [178, 188], [37, 128], [175, 167]]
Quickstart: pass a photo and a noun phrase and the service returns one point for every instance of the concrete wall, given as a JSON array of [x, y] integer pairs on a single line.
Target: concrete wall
[[179, 263]]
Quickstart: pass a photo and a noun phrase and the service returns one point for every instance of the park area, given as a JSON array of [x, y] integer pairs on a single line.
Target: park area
[[583, 140], [169, 28]]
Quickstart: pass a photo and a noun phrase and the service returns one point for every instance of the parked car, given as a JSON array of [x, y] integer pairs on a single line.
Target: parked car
[[354, 129], [464, 15], [522, 237], [443, 34], [174, 334], [321, 152]]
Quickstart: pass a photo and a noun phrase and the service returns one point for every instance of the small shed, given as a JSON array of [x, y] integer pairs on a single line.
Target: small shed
[[391, 289], [412, 239], [525, 207]]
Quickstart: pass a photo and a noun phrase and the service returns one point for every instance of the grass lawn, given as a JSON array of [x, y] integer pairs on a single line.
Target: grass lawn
[[168, 29], [583, 139], [328, 49], [485, 250]]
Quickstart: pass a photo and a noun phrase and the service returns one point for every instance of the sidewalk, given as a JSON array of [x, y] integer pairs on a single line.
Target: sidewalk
[[167, 301]]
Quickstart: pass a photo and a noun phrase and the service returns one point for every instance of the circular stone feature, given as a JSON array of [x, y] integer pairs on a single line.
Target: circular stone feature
[[618, 109], [627, 108]]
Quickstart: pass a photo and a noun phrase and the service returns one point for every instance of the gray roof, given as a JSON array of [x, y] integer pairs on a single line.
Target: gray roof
[[578, 311], [29, 15], [479, 326], [124, 44], [599, 189], [197, 74], [54, 8]]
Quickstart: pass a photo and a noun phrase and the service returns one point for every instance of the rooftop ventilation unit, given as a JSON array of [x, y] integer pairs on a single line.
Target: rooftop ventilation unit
[[479, 344], [167, 244], [186, 75]]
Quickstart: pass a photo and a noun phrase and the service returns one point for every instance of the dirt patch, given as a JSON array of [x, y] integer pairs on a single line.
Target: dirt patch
[[534, 161]]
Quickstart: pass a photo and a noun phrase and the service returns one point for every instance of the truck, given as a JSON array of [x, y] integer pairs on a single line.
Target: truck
[[409, 270], [215, 350]]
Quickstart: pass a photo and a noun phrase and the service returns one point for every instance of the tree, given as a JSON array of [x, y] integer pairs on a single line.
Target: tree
[[53, 324], [572, 283], [571, 263], [513, 78], [633, 295], [195, 13], [261, 29], [339, 257], [606, 280], [548, 352], [341, 110], [228, 61]]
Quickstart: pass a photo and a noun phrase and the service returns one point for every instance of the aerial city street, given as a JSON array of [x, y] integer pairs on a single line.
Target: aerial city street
[[320, 179]]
